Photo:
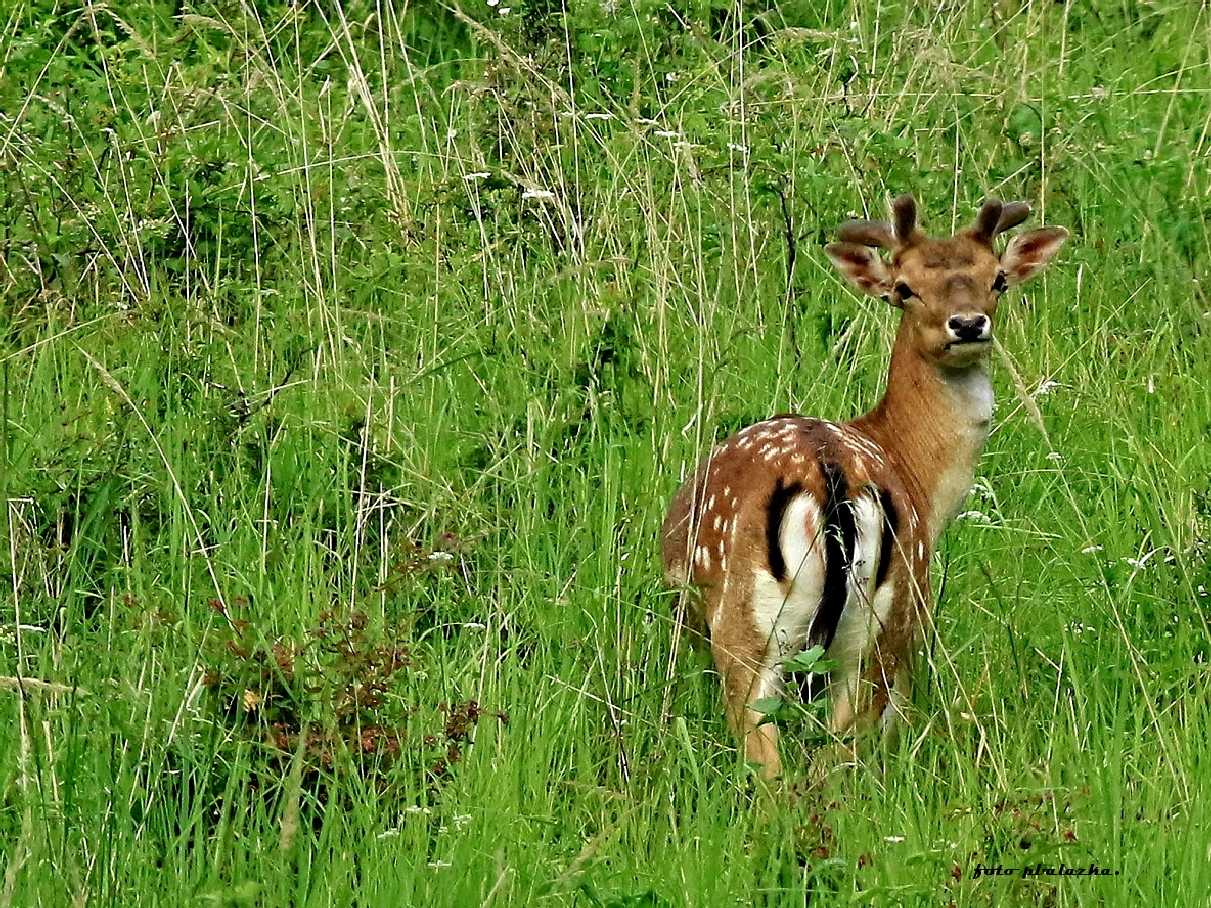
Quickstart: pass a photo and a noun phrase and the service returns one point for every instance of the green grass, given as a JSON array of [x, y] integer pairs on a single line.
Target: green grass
[[288, 294]]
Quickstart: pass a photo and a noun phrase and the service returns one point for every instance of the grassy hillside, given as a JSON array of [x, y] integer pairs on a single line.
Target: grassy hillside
[[350, 353]]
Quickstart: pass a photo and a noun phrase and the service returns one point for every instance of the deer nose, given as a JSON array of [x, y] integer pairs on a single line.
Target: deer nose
[[968, 327]]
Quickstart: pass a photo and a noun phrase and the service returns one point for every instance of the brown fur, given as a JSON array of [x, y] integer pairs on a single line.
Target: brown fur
[[920, 444]]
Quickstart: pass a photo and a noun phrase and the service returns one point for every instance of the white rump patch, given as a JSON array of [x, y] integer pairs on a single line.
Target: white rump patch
[[784, 611], [865, 610]]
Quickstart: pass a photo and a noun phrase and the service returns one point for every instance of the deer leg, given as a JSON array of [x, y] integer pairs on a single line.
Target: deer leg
[[893, 716], [843, 691], [747, 678]]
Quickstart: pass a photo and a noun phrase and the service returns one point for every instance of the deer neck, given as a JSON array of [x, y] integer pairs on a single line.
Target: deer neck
[[933, 422]]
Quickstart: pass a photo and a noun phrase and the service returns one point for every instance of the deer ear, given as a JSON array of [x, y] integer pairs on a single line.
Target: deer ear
[[1027, 254], [861, 266]]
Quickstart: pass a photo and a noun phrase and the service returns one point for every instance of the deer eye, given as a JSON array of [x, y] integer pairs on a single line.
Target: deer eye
[[1000, 284], [903, 291]]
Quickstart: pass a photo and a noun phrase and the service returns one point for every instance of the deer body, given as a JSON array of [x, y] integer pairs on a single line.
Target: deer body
[[800, 531]]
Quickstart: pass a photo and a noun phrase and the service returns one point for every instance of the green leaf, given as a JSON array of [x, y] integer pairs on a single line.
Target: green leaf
[[810, 660], [767, 706], [771, 709]]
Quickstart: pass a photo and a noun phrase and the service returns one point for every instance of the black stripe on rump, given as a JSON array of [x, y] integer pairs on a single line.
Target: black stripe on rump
[[891, 523], [840, 534], [779, 500]]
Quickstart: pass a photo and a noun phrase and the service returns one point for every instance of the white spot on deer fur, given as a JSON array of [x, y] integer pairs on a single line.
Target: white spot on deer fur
[[866, 444], [704, 557], [921, 551], [727, 490], [710, 502], [718, 521], [797, 459], [722, 543]]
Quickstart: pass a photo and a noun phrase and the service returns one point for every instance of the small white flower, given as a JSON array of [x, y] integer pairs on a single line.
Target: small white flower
[[894, 839], [737, 147], [1045, 387], [441, 557], [539, 194], [416, 808], [451, 134], [461, 820], [599, 115], [493, 2], [388, 833], [1055, 456], [477, 175], [1151, 385], [505, 10], [1139, 563], [666, 133], [438, 865], [1090, 549], [982, 488], [975, 517]]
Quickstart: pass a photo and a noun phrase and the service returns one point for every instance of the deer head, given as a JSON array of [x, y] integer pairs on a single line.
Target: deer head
[[948, 289]]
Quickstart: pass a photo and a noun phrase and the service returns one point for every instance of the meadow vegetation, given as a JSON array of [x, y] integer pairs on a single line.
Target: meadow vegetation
[[349, 354]]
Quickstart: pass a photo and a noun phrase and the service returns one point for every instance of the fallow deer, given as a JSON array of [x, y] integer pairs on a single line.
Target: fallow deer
[[801, 532]]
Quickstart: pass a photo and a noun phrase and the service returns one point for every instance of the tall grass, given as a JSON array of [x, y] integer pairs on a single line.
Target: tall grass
[[351, 352]]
